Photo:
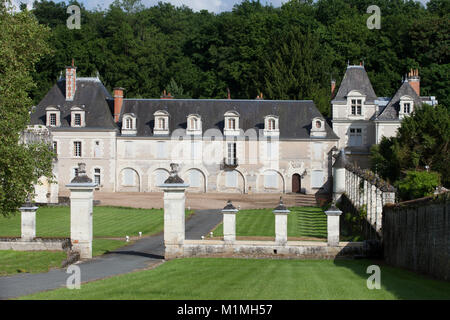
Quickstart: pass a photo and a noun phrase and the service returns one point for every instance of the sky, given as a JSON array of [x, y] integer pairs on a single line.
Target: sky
[[197, 5]]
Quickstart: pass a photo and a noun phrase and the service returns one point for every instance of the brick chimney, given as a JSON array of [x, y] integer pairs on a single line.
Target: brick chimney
[[166, 96], [118, 102], [414, 80], [71, 81], [333, 86], [228, 94]]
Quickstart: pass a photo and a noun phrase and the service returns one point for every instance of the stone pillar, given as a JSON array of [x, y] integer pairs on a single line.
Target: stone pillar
[[379, 211], [281, 213], [333, 216], [81, 210], [229, 222], [174, 214], [339, 174], [28, 217]]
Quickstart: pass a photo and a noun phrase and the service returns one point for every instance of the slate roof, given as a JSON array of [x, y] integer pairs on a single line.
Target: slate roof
[[356, 78], [295, 117], [390, 112], [90, 92]]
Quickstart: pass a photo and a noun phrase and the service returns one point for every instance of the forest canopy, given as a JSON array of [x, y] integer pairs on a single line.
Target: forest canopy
[[287, 52]]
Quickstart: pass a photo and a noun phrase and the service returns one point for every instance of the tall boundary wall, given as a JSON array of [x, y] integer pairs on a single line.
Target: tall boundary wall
[[416, 235]]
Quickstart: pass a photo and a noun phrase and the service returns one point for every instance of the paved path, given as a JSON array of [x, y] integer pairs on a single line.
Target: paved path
[[140, 255]]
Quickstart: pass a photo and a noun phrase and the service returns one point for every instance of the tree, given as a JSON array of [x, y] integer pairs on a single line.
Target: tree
[[423, 140], [22, 43]]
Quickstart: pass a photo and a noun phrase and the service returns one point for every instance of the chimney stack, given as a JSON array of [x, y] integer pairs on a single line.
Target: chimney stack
[[228, 94], [333, 86], [414, 80], [71, 81], [166, 96], [118, 102]]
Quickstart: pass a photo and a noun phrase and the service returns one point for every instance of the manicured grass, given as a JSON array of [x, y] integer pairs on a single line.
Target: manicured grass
[[215, 278], [109, 222], [302, 222], [12, 262]]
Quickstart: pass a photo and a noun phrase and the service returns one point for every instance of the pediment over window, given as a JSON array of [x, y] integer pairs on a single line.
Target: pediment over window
[[231, 119], [194, 124], [161, 126], [77, 116], [271, 125], [129, 124], [53, 116], [406, 106]]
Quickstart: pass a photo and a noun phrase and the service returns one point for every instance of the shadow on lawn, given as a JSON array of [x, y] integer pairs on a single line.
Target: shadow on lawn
[[402, 283]]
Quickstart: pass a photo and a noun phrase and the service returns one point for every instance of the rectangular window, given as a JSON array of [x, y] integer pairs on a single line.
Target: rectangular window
[[75, 172], [77, 119], [231, 179], [129, 149], [356, 106], [97, 176], [161, 150], [231, 124], [407, 108], [77, 149], [355, 137], [270, 180], [162, 123], [317, 179], [231, 153], [97, 151], [53, 119]]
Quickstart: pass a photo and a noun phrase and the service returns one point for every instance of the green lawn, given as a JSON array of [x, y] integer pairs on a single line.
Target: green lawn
[[109, 222], [12, 262], [302, 222], [215, 278]]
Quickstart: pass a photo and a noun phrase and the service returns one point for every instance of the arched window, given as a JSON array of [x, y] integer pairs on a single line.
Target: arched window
[[271, 126]]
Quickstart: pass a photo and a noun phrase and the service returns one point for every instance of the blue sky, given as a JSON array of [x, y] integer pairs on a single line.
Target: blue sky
[[210, 5]]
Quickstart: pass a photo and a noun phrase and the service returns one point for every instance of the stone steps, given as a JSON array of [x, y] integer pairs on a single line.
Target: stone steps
[[305, 200]]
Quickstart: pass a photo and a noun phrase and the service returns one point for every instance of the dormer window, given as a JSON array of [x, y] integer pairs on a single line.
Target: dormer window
[[161, 126], [53, 116], [356, 103], [318, 127], [77, 116], [129, 124], [406, 106], [232, 123], [356, 106], [194, 124], [271, 126]]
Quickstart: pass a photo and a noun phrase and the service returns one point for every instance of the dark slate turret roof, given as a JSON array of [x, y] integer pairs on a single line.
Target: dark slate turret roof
[[356, 78], [90, 92], [295, 117], [390, 112]]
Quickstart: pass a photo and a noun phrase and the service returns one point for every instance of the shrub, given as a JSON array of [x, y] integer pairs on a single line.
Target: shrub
[[417, 184]]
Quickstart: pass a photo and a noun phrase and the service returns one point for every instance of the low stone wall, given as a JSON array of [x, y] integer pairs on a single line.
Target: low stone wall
[[293, 249], [416, 235], [37, 244]]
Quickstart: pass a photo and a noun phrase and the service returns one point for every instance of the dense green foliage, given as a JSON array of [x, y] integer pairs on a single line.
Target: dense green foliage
[[422, 140], [257, 279], [22, 44], [417, 184], [303, 222], [290, 52]]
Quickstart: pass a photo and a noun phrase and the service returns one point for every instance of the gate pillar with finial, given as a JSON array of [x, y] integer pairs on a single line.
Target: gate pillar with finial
[[229, 222], [174, 213], [81, 210]]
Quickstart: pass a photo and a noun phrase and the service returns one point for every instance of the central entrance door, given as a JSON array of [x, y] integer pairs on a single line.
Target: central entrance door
[[296, 183]]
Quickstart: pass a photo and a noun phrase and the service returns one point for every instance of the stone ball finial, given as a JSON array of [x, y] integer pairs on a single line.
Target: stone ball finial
[[229, 206]]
